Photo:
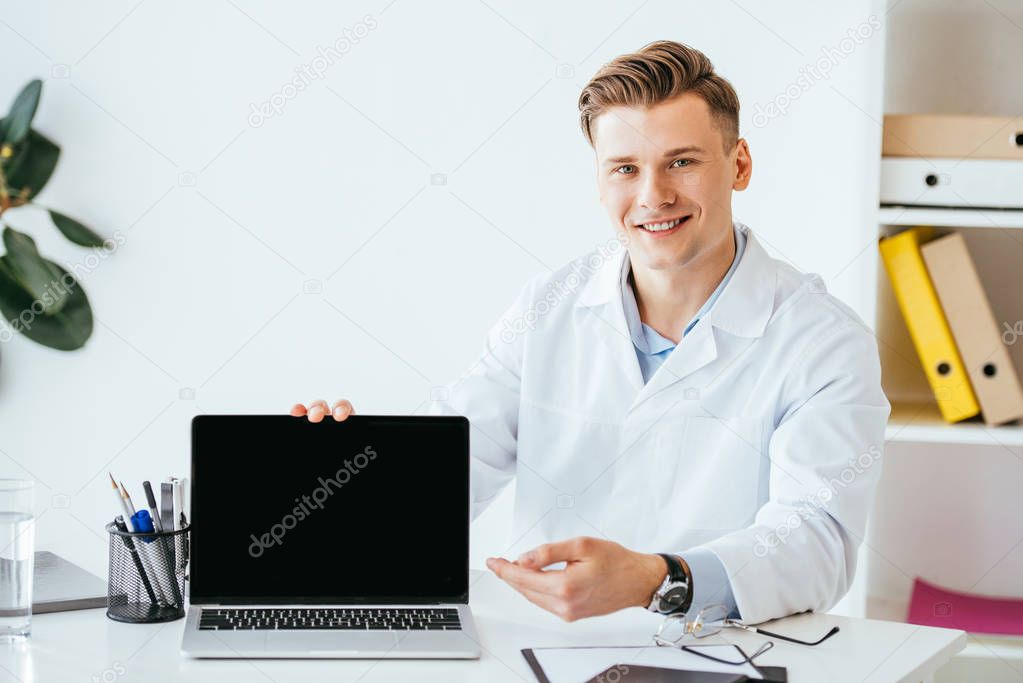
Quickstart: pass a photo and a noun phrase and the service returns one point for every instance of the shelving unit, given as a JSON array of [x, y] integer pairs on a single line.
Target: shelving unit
[[948, 507], [995, 240]]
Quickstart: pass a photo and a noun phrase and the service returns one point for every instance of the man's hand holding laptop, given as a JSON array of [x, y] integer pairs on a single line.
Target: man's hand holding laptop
[[599, 576]]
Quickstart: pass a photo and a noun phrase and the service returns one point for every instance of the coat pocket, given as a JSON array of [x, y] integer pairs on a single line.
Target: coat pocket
[[709, 471]]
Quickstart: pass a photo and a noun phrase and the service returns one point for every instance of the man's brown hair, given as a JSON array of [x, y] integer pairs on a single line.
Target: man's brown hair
[[658, 72]]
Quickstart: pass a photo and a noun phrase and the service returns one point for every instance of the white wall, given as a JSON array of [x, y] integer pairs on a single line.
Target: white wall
[[310, 256]]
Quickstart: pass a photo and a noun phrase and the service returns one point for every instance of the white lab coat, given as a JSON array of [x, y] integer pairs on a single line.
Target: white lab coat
[[759, 438]]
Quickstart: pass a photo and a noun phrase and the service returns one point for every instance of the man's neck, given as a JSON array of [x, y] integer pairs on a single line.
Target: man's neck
[[669, 299]]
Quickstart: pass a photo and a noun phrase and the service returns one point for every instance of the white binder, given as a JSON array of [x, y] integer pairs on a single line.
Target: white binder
[[971, 183]]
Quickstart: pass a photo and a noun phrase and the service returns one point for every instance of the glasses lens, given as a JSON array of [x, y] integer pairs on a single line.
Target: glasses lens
[[709, 621], [672, 630]]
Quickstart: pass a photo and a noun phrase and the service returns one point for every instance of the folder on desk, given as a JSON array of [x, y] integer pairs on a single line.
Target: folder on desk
[[655, 674], [973, 325], [927, 325], [582, 663]]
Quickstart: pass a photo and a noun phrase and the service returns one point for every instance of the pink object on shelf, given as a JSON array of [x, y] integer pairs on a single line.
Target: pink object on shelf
[[932, 605]]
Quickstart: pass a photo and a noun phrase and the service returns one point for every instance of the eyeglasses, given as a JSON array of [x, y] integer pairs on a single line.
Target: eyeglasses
[[710, 621]]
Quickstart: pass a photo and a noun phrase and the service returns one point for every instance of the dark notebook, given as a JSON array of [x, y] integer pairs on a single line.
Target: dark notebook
[[652, 674]]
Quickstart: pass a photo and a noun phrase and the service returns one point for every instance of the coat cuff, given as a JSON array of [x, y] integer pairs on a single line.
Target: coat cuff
[[710, 581]]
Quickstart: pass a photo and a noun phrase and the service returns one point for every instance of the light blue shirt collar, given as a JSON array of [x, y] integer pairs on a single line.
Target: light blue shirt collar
[[649, 342]]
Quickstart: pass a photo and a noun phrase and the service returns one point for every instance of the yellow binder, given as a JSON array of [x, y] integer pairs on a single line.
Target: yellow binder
[[927, 324]]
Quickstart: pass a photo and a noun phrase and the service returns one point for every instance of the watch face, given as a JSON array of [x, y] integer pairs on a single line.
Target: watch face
[[673, 598]]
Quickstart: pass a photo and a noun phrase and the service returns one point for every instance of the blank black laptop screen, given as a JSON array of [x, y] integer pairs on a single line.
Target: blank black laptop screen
[[369, 510]]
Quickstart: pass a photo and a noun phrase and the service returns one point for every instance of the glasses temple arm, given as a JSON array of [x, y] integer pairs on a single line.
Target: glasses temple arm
[[771, 634]]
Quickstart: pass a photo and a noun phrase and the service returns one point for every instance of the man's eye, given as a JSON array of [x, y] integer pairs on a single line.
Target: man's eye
[[623, 171], [681, 162]]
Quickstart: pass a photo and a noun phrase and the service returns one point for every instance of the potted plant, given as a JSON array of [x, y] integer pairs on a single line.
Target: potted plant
[[38, 297]]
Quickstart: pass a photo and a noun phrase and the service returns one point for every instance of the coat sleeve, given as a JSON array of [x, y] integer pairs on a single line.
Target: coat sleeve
[[488, 394], [825, 453]]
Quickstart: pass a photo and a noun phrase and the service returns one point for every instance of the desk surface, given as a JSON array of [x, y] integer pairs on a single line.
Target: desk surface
[[87, 646]]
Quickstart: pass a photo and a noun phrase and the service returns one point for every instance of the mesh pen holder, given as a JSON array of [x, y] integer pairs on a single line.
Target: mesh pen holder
[[147, 575]]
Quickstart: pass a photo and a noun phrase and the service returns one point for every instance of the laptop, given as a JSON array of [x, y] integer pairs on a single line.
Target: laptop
[[330, 540]]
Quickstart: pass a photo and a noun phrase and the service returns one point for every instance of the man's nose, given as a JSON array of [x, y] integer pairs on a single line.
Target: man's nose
[[656, 192]]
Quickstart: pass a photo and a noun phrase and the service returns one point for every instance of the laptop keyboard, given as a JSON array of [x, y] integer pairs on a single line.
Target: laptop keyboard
[[330, 618]]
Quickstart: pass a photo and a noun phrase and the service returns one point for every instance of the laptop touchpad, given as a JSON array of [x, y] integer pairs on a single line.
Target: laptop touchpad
[[331, 641]]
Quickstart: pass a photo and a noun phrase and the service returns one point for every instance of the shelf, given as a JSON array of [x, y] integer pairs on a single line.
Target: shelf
[[978, 646], [984, 646], [922, 423], [950, 217]]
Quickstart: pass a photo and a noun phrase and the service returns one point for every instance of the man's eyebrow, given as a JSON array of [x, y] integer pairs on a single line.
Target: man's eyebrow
[[688, 149]]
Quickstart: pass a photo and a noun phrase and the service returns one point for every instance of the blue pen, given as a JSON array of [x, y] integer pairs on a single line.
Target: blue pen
[[143, 522], [130, 545]]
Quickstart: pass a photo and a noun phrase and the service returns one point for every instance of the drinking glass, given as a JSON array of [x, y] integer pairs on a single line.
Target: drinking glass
[[17, 548]]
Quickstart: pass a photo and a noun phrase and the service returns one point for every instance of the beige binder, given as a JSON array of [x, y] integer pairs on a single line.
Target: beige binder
[[957, 137], [976, 333]]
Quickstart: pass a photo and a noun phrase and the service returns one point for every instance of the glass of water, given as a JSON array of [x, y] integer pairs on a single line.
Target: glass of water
[[17, 548]]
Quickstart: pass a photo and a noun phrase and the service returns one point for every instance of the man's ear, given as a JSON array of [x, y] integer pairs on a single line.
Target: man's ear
[[743, 166]]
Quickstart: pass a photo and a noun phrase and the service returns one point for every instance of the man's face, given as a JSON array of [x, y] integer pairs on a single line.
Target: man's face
[[666, 180]]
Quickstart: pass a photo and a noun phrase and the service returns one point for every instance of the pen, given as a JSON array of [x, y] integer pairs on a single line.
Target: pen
[[121, 526], [122, 498], [154, 512], [134, 524], [144, 524], [166, 544]]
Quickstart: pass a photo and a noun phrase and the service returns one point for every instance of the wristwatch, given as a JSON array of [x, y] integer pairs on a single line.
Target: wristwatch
[[675, 593]]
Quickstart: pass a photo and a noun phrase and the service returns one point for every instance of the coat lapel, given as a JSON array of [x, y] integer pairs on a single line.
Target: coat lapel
[[696, 350], [743, 309], [601, 299]]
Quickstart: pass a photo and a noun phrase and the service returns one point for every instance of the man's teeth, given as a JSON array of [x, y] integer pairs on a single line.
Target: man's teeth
[[657, 227]]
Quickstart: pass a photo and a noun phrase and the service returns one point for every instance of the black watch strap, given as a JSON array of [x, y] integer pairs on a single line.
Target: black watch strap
[[675, 571], [678, 572]]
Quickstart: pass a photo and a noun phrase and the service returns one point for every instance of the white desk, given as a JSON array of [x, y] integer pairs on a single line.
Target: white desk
[[86, 646]]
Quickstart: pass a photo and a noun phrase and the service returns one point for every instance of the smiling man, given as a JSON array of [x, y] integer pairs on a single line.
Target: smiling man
[[690, 422]]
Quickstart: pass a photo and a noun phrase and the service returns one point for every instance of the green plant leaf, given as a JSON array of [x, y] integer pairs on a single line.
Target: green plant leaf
[[19, 119], [32, 164], [32, 271], [66, 331], [75, 231]]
